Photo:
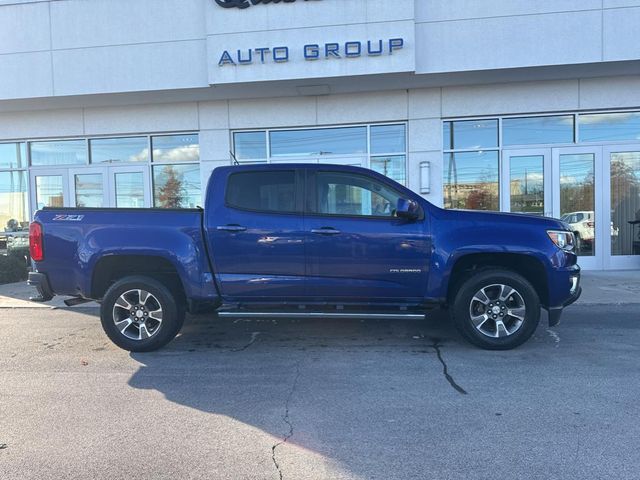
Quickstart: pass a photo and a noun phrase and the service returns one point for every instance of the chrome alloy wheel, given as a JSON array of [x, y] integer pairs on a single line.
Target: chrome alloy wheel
[[497, 310], [137, 314]]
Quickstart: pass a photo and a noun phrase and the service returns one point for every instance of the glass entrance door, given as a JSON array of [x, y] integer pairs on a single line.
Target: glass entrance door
[[622, 195], [88, 187], [578, 200], [526, 182], [49, 188], [129, 187]]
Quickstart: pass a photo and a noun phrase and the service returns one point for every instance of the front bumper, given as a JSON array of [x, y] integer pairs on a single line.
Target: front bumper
[[574, 294], [41, 282]]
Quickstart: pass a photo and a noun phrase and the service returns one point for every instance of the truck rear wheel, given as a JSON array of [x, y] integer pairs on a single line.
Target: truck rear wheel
[[140, 314], [496, 309]]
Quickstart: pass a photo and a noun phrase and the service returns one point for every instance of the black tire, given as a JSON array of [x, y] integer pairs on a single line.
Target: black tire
[[464, 304], [171, 312]]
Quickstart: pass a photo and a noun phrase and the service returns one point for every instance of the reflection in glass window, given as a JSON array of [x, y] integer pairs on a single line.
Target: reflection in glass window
[[14, 215], [527, 184], [472, 134], [176, 186], [604, 127], [49, 191], [13, 155], [388, 139], [89, 190], [537, 130], [447, 137], [325, 141], [267, 191], [625, 203], [250, 145], [115, 150], [577, 199], [393, 167], [60, 152], [348, 194], [471, 180], [176, 148], [129, 190]]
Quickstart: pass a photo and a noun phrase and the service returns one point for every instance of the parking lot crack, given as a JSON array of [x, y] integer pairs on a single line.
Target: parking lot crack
[[445, 369], [254, 337], [286, 419]]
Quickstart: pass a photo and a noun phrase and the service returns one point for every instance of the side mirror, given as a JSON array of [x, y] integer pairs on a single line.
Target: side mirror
[[407, 209]]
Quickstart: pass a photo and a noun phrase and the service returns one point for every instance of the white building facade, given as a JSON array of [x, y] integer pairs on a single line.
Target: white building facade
[[507, 105]]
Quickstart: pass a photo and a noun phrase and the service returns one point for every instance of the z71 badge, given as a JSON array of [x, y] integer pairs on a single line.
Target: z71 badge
[[68, 218]]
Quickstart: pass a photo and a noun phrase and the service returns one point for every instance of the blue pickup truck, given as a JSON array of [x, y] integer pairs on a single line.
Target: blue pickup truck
[[318, 241]]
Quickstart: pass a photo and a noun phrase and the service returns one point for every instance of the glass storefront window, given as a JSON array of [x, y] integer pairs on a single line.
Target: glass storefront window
[[176, 186], [116, 150], [13, 155], [388, 139], [14, 215], [471, 134], [537, 130], [577, 201], [393, 167], [471, 180], [89, 190], [608, 127], [129, 188], [60, 152], [526, 184], [324, 141], [49, 191], [250, 145], [176, 148], [625, 203]]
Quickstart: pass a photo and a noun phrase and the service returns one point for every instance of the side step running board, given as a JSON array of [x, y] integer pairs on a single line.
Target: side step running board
[[325, 315]]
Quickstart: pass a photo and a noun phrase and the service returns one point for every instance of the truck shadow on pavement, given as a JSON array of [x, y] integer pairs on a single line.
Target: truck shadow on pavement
[[322, 391]]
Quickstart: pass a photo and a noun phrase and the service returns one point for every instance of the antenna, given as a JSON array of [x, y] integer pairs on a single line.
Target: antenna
[[233, 157]]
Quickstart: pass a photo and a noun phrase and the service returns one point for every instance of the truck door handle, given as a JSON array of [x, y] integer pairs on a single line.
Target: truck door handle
[[231, 228], [325, 231]]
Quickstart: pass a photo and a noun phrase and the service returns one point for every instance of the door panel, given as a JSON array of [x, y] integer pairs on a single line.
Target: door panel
[[356, 248], [578, 200], [526, 181], [129, 187], [88, 187], [256, 237], [49, 188]]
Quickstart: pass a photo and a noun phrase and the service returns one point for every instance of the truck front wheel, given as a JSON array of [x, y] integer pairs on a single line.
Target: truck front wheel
[[496, 309], [140, 314]]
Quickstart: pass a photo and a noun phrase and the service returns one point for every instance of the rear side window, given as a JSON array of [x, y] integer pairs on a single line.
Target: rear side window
[[263, 191]]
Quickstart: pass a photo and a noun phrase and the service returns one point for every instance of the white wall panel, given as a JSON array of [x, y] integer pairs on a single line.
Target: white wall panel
[[82, 23], [214, 115], [425, 103], [618, 92], [425, 134], [130, 68], [621, 38], [509, 42], [41, 124], [214, 145], [507, 98], [25, 75], [362, 107], [275, 112], [24, 28], [141, 118], [439, 10]]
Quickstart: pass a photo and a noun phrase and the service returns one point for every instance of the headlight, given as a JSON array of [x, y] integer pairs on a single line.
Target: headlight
[[564, 240]]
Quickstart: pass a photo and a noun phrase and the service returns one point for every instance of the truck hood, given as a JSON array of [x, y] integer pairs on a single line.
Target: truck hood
[[502, 219]]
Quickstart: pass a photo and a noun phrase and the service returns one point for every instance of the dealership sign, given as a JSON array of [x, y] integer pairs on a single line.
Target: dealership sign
[[247, 3], [311, 52]]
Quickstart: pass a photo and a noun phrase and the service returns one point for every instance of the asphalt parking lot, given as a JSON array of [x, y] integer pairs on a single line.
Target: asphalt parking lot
[[319, 400]]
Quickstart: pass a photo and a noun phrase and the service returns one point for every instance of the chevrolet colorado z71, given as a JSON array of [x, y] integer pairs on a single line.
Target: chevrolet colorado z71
[[306, 240]]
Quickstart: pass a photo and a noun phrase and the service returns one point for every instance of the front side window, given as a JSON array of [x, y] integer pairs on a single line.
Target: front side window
[[264, 191], [354, 195]]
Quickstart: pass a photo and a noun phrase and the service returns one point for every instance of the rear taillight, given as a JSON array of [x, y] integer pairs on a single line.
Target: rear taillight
[[36, 249], [591, 224]]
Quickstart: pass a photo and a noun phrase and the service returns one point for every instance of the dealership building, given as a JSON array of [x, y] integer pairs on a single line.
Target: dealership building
[[505, 105]]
